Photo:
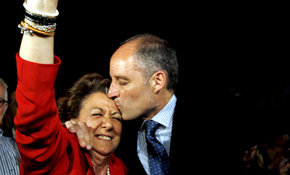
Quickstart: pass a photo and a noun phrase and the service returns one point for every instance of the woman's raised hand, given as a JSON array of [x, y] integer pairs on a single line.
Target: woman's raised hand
[[45, 6]]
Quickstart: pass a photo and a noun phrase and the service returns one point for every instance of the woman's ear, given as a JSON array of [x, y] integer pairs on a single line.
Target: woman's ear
[[158, 81]]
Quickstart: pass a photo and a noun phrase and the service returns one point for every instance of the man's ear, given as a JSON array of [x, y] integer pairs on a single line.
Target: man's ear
[[158, 81]]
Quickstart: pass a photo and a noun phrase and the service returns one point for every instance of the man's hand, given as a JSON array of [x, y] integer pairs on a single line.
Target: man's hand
[[84, 134]]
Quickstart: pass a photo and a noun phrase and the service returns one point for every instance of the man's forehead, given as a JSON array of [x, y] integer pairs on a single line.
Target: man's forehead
[[125, 51], [122, 64]]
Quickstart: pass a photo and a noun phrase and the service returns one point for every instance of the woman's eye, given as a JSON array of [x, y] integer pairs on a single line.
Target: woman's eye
[[97, 115], [116, 118]]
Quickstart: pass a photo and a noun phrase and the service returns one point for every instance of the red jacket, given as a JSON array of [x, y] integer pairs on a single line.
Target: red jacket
[[46, 147]]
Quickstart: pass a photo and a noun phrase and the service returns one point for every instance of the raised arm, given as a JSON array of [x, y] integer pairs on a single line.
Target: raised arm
[[40, 136], [37, 47]]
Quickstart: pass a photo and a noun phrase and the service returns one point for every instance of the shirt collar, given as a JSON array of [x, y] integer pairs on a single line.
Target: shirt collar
[[165, 116], [1, 132]]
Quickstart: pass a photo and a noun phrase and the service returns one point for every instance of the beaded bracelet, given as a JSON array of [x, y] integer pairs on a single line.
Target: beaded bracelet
[[38, 22], [43, 14], [46, 28], [32, 29], [39, 19]]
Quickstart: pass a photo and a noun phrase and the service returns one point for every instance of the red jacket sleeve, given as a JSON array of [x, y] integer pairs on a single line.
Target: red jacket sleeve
[[38, 127]]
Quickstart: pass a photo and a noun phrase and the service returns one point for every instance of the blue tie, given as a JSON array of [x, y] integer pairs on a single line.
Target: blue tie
[[158, 157]]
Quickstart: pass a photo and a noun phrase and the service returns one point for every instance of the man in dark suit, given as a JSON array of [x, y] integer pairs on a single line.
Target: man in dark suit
[[144, 72]]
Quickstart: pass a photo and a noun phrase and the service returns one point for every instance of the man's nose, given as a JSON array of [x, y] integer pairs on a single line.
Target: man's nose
[[113, 91]]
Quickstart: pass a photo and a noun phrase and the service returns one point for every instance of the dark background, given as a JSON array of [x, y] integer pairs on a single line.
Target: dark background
[[233, 59]]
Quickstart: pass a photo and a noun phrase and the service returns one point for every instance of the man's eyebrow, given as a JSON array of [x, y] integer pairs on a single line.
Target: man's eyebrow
[[121, 77]]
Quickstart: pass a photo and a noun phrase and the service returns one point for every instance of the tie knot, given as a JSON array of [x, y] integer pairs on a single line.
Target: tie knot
[[151, 127]]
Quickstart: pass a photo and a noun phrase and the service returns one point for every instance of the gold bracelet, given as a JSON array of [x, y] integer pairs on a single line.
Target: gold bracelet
[[24, 27]]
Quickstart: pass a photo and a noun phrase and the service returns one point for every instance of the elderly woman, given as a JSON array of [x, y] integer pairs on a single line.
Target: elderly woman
[[46, 146]]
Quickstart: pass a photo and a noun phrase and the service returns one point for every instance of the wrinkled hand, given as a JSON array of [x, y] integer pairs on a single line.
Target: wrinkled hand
[[83, 132]]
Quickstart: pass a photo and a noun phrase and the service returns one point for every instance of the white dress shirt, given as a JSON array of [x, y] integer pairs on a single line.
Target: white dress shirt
[[163, 133], [9, 156]]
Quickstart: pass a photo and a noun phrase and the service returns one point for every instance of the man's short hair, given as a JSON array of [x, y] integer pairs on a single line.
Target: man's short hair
[[154, 54]]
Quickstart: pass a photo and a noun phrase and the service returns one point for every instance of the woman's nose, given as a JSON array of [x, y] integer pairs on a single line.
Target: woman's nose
[[107, 123]]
